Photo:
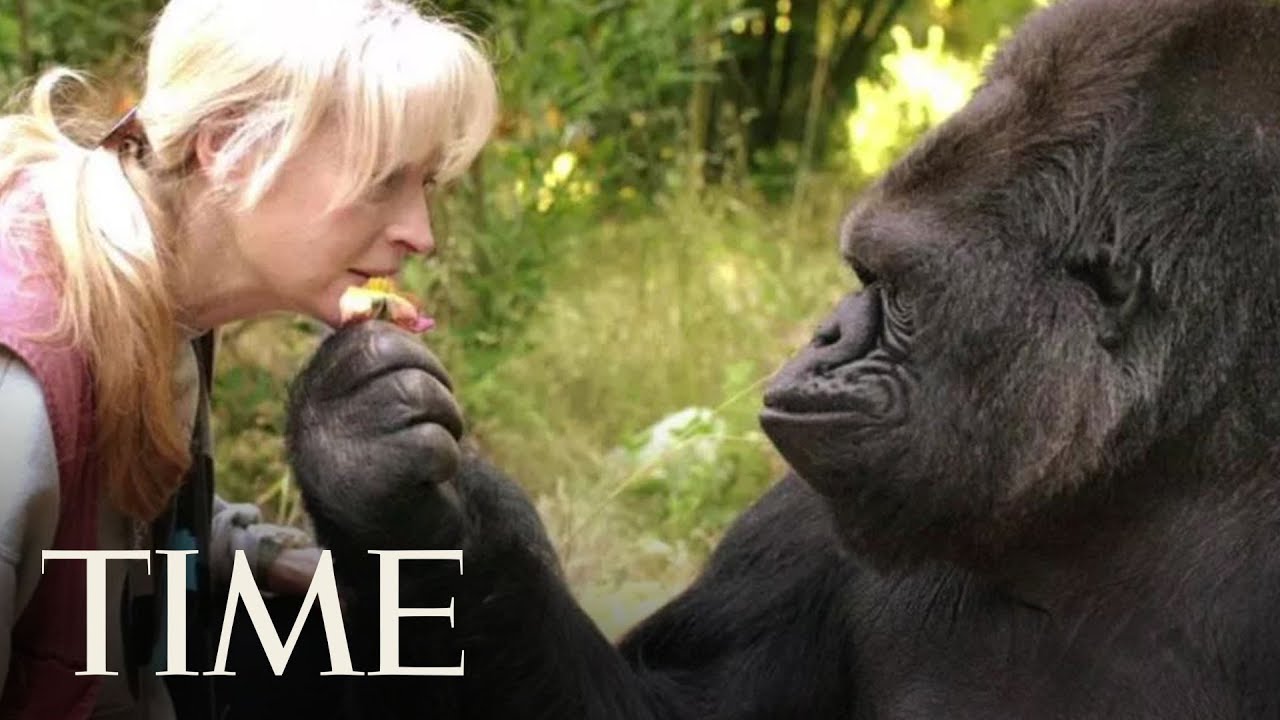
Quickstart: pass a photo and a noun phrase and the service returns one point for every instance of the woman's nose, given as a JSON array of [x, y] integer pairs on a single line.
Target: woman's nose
[[413, 228]]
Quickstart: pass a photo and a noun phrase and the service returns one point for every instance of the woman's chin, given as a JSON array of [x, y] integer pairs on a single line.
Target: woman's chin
[[331, 317], [325, 310]]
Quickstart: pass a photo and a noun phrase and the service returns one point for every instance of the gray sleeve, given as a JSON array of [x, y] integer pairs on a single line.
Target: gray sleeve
[[239, 526], [28, 492]]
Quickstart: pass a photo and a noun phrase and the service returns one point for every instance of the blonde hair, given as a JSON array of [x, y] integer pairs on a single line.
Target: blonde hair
[[400, 87]]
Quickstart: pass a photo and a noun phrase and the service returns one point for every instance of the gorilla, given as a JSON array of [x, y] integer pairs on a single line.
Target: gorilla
[[1036, 454]]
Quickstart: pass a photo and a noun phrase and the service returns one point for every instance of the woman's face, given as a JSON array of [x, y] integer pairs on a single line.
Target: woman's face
[[306, 253]]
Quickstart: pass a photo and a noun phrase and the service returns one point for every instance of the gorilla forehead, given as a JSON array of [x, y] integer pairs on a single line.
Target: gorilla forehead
[[1215, 58]]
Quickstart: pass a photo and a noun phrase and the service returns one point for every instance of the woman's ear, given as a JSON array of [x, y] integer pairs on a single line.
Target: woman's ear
[[211, 139]]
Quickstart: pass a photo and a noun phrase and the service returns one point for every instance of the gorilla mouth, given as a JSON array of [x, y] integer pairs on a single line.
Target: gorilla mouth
[[861, 390], [845, 388]]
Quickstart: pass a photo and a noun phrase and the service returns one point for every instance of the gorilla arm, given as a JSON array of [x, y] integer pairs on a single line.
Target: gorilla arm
[[374, 449], [763, 630], [756, 637]]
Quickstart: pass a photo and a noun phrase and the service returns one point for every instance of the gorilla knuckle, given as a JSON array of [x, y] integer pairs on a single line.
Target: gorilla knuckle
[[442, 456], [428, 399]]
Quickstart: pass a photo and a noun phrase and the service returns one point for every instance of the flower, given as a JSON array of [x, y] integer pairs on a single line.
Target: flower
[[378, 299]]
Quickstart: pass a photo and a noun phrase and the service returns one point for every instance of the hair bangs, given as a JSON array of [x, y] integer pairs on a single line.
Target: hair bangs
[[415, 92]]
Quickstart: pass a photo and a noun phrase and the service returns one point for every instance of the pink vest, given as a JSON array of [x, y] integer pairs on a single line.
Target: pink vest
[[48, 639]]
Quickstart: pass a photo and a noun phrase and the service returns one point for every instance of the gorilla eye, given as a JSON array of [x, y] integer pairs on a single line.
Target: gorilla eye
[[898, 305], [865, 276]]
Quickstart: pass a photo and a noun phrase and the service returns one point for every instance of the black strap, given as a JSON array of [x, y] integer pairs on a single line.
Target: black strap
[[191, 510], [199, 517]]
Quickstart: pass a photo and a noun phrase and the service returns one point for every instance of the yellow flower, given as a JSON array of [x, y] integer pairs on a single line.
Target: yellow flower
[[378, 299], [563, 164], [380, 285]]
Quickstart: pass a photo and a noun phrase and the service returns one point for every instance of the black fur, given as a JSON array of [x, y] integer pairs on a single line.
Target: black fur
[[1039, 448]]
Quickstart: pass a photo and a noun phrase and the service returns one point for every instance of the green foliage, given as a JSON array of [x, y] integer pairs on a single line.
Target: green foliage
[[102, 35], [607, 79], [919, 88], [256, 360]]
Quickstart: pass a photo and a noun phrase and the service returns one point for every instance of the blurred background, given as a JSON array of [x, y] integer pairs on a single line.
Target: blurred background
[[648, 237]]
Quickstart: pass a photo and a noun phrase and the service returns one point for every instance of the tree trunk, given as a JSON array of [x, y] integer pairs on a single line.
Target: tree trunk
[[851, 63], [765, 127], [700, 101], [825, 34], [25, 60]]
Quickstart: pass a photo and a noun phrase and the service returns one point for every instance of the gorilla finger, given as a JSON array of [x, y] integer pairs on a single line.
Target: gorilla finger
[[434, 454], [355, 354], [428, 400], [397, 346], [391, 403]]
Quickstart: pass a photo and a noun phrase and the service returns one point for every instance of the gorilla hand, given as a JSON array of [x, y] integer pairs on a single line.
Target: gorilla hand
[[372, 436]]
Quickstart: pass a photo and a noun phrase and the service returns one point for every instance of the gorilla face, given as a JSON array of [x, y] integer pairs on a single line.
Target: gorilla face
[[1045, 279]]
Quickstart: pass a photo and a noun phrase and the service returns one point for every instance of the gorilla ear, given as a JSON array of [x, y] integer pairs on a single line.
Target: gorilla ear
[[1119, 283]]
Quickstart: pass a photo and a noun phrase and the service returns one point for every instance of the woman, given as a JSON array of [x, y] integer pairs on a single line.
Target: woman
[[277, 156]]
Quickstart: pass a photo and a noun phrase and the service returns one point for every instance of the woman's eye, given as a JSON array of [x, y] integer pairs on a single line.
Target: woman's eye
[[383, 188], [389, 185]]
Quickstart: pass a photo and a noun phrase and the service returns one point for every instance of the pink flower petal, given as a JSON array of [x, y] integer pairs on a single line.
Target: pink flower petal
[[422, 324]]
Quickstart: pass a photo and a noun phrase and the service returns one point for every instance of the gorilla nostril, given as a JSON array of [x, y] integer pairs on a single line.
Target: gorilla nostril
[[857, 327], [819, 377], [849, 334], [827, 334]]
